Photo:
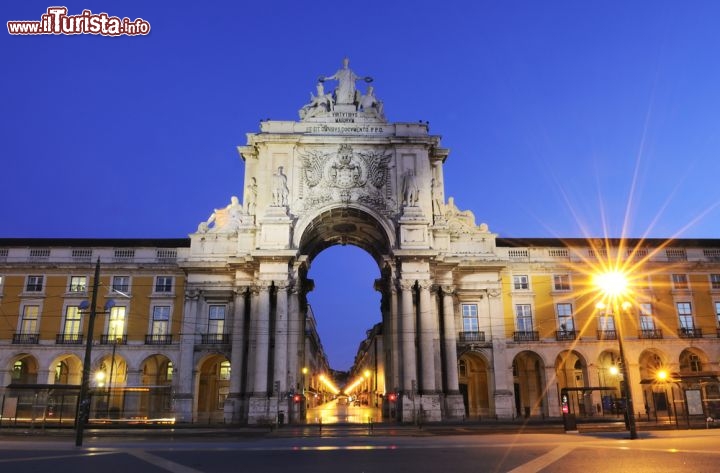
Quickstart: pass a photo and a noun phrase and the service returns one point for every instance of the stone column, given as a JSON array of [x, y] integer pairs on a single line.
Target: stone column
[[407, 335], [233, 404], [184, 381], [293, 339], [552, 392], [428, 335], [262, 337], [450, 342], [395, 346], [281, 336]]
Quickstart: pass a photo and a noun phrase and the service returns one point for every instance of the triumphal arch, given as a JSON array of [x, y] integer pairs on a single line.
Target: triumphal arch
[[341, 174]]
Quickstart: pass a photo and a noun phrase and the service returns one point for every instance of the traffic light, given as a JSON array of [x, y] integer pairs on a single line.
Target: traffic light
[[297, 398], [392, 397]]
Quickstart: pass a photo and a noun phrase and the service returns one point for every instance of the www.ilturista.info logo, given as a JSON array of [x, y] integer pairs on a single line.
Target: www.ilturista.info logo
[[57, 21]]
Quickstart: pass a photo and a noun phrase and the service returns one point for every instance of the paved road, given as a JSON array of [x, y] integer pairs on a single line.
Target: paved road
[[666, 451]]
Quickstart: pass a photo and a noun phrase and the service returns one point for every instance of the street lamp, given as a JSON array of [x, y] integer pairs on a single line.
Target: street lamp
[[613, 285], [83, 406]]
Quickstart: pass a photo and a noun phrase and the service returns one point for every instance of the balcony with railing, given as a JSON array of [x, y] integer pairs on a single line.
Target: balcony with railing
[[214, 338], [69, 339], [26, 338], [470, 337], [526, 336], [106, 339], [157, 339], [690, 332], [607, 335], [565, 335], [650, 333]]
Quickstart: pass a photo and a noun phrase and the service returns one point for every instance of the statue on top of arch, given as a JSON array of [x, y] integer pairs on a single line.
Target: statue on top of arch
[[345, 97]]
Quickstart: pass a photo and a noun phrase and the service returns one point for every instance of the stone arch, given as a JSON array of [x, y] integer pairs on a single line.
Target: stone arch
[[571, 371], [156, 378], [528, 370], [474, 378], [212, 387], [651, 362], [351, 224], [22, 369], [65, 369], [692, 360]]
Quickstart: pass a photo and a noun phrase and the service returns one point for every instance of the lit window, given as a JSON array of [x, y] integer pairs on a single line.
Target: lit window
[[29, 323], [470, 317], [72, 320], [523, 317], [116, 325], [521, 281], [216, 319], [717, 312], [160, 320], [121, 283], [680, 282], [224, 370], [561, 282], [565, 317], [163, 284], [34, 284], [78, 284]]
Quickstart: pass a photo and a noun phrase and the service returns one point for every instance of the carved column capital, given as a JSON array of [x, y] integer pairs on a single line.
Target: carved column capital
[[406, 284], [192, 294], [448, 290], [425, 284]]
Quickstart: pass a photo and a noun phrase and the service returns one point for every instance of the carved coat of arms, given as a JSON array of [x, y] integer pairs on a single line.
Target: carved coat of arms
[[346, 176]]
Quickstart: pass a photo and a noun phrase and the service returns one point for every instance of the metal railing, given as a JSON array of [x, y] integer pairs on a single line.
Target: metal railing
[[689, 332], [156, 339], [654, 333], [214, 338], [113, 339], [563, 335], [607, 335], [473, 336], [26, 338], [69, 339], [527, 336]]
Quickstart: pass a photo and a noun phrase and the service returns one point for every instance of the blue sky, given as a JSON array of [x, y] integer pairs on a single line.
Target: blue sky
[[561, 117]]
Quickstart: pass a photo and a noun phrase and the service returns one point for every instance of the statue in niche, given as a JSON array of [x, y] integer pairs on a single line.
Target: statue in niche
[[280, 189], [318, 104], [345, 92], [225, 220], [410, 189], [437, 198], [250, 197], [370, 103]]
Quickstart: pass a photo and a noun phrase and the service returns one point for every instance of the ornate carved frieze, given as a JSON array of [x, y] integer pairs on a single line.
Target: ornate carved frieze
[[346, 176]]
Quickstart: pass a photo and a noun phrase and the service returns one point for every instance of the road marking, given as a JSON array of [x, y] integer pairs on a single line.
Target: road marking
[[545, 460], [54, 457], [162, 462]]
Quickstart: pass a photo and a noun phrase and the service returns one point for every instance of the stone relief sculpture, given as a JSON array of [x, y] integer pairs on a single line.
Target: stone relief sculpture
[[345, 176], [437, 198], [280, 189], [345, 93], [250, 197], [225, 220], [410, 189]]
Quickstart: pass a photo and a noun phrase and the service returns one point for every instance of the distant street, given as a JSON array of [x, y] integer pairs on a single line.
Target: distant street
[[408, 450], [334, 413]]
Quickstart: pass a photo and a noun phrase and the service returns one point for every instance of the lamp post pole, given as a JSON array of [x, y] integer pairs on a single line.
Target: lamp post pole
[[83, 407], [630, 411]]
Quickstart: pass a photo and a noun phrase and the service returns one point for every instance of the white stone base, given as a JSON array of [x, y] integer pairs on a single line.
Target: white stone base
[[423, 408], [504, 405], [183, 407], [454, 407]]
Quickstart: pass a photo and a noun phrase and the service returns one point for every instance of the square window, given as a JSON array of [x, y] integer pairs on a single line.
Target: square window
[[565, 317], [521, 282], [34, 284], [72, 320], [29, 323], [160, 320], [121, 283], [163, 284], [561, 282], [78, 284], [216, 320], [680, 282], [685, 316], [715, 281]]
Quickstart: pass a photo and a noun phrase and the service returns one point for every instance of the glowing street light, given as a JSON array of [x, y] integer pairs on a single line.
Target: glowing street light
[[613, 285]]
